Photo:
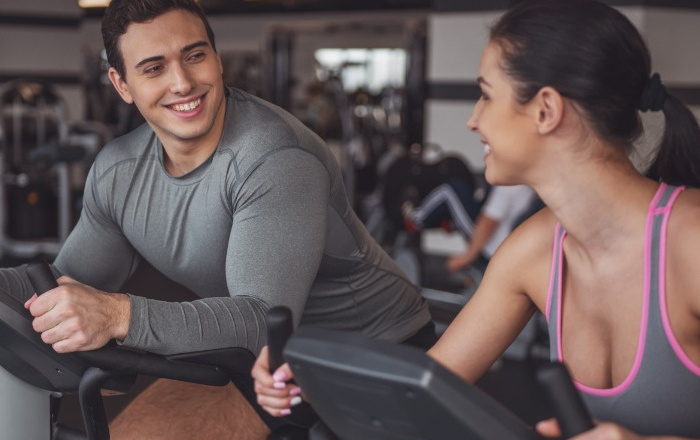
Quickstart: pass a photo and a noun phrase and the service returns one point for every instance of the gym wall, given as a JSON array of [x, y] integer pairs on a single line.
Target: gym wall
[[42, 39], [48, 39]]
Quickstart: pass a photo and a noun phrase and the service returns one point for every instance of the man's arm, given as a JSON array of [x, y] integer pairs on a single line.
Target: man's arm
[[80, 314], [96, 252], [275, 247]]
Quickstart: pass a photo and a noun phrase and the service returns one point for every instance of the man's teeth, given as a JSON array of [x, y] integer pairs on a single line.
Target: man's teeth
[[187, 106], [487, 149]]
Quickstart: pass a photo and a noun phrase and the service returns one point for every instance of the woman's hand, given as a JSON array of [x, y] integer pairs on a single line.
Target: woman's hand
[[275, 394], [602, 431]]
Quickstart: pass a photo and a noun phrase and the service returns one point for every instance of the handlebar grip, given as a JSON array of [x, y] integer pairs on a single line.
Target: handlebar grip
[[279, 329], [40, 276], [569, 408]]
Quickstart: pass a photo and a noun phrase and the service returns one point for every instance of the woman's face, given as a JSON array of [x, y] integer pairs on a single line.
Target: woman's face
[[506, 127]]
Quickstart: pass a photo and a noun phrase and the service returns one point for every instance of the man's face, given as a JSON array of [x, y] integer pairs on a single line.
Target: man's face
[[174, 78]]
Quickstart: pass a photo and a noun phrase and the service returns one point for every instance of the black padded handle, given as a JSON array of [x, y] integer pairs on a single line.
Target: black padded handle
[[279, 329], [40, 276], [569, 408]]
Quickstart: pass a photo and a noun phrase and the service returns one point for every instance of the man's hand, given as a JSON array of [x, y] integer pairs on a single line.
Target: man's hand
[[76, 317]]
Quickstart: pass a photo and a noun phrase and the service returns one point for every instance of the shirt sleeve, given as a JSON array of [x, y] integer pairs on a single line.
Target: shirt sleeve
[[96, 252], [275, 248]]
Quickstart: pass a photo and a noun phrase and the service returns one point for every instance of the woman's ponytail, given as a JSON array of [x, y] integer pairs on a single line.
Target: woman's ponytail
[[677, 160]]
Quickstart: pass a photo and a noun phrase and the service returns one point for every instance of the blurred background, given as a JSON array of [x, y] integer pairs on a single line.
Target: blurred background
[[379, 80], [389, 84]]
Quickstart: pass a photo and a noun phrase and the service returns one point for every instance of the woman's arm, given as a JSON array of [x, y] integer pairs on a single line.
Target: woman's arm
[[514, 286]]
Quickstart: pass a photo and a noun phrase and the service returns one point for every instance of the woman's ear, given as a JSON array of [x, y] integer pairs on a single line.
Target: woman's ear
[[549, 108], [120, 85]]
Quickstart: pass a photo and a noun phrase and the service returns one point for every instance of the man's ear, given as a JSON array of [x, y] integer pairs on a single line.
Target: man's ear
[[549, 108], [121, 85]]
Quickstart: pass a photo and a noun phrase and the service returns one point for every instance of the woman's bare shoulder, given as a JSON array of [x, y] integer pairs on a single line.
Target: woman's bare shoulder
[[534, 235], [525, 256]]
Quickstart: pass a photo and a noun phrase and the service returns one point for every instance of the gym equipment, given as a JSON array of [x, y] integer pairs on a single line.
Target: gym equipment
[[33, 376], [376, 390], [568, 405], [278, 321], [38, 147], [34, 119]]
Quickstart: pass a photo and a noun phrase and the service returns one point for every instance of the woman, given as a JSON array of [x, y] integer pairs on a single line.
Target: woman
[[611, 260]]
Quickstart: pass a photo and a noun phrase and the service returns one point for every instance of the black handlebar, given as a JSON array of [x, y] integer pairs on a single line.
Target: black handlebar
[[279, 329], [567, 404], [122, 359], [40, 276]]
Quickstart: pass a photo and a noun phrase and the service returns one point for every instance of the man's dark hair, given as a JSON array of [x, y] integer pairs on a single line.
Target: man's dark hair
[[122, 13]]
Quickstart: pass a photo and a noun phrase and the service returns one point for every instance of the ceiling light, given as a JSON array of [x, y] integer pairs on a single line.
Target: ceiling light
[[93, 3]]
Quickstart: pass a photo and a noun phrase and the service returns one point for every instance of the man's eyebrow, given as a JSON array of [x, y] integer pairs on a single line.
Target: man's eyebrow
[[189, 47], [185, 49], [149, 60]]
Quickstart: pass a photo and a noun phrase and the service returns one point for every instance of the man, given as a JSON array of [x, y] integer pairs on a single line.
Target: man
[[223, 193]]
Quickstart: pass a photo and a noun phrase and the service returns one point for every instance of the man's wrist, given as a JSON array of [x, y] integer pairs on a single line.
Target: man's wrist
[[122, 316]]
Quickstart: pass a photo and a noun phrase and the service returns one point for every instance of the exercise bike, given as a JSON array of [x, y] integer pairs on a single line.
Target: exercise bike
[[374, 390], [33, 377], [339, 372]]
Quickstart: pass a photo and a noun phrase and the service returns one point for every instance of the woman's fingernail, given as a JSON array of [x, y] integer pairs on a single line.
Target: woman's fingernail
[[279, 385], [295, 391], [279, 376], [295, 401], [285, 412]]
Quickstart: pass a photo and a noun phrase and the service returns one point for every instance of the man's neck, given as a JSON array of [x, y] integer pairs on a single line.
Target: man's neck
[[179, 162]]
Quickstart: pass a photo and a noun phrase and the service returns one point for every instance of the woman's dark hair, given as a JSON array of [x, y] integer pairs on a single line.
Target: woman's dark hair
[[593, 55], [121, 13]]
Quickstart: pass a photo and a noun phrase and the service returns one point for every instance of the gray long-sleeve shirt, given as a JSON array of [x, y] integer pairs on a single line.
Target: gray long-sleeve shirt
[[265, 221]]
